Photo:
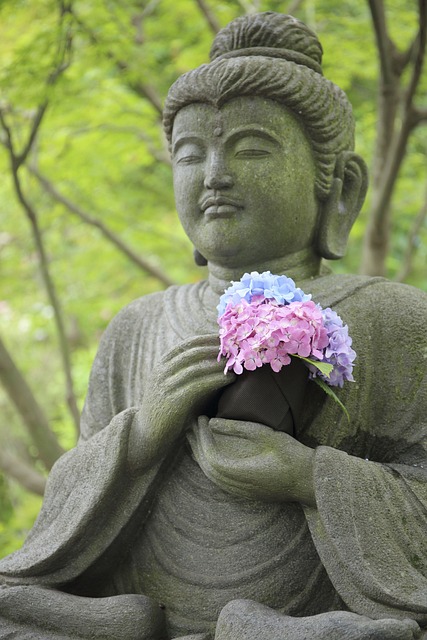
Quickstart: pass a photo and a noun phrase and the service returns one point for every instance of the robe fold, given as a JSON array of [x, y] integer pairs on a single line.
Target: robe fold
[[370, 525]]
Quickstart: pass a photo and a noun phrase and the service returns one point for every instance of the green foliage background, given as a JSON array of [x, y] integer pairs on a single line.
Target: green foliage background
[[100, 144]]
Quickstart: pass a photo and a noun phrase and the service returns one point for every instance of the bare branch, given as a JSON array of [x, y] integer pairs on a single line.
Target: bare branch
[[62, 63], [382, 197], [48, 282], [138, 20], [398, 147], [16, 161], [391, 143], [420, 55], [142, 263], [8, 140], [249, 6], [140, 88], [20, 471], [20, 159], [150, 8], [209, 16], [384, 43], [161, 155], [294, 6], [418, 116], [411, 247], [34, 418], [59, 69], [402, 59], [388, 90]]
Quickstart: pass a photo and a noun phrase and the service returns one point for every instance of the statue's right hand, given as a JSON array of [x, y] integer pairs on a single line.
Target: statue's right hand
[[181, 384]]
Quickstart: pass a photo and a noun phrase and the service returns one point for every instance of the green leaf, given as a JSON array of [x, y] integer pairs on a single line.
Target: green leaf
[[324, 367], [327, 389]]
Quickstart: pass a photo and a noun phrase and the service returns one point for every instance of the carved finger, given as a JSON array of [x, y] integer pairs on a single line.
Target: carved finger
[[205, 376], [194, 363], [211, 471], [226, 463], [208, 340], [196, 353], [253, 431], [202, 421]]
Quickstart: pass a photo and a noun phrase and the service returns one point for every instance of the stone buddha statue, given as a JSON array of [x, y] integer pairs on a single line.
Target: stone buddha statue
[[165, 522]]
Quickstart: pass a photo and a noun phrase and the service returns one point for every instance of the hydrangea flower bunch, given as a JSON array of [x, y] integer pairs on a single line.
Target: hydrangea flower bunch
[[266, 319], [338, 353]]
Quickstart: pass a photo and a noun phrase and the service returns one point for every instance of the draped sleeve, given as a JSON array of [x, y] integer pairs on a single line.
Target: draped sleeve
[[370, 525], [90, 495]]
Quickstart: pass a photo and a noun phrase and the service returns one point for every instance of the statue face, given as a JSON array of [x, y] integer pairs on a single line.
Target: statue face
[[244, 179]]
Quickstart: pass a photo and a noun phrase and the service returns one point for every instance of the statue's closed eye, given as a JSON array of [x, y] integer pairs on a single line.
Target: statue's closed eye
[[252, 153], [188, 159], [188, 153], [253, 147]]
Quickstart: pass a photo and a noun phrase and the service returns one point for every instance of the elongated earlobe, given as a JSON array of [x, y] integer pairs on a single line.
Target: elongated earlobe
[[342, 206]]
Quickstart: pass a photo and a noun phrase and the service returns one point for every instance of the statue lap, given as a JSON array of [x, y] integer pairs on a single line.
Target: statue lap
[[47, 614]]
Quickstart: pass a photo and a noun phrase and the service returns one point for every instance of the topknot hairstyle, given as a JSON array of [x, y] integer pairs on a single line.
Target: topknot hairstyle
[[277, 57], [283, 35]]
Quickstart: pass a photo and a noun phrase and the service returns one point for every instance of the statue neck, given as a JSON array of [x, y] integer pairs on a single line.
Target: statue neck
[[298, 266]]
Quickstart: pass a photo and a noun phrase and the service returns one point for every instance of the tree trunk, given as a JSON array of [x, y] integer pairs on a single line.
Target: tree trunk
[[32, 414]]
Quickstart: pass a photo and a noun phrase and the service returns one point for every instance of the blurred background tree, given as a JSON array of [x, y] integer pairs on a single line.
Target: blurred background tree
[[87, 221]]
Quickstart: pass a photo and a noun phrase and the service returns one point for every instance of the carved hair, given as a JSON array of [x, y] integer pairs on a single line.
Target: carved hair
[[279, 58]]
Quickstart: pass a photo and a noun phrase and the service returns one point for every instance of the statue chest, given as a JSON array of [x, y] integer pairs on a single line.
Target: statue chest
[[202, 547]]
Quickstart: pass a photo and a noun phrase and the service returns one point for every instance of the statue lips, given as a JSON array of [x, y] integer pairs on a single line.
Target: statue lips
[[220, 207]]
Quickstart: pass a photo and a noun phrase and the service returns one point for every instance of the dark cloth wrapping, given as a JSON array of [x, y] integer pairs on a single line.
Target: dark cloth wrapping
[[267, 397]]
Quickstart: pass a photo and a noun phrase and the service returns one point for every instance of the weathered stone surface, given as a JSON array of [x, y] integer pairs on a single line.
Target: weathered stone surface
[[166, 523]]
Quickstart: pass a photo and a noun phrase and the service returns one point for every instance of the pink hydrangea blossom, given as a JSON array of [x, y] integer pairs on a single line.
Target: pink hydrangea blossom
[[258, 327], [264, 332]]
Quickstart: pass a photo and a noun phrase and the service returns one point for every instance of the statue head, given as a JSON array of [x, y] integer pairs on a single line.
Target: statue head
[[273, 58]]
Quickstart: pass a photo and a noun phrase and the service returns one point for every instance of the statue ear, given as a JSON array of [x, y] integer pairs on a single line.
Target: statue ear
[[339, 211]]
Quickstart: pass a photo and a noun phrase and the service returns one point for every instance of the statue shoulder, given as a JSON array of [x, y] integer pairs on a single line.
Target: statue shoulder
[[177, 300], [393, 301], [373, 295], [144, 319], [392, 314], [148, 306], [119, 365], [388, 319]]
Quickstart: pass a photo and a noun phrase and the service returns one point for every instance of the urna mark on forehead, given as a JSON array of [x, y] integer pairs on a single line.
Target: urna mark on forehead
[[241, 118], [210, 119]]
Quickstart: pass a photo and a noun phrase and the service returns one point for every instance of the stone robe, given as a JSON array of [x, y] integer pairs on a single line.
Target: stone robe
[[105, 531]]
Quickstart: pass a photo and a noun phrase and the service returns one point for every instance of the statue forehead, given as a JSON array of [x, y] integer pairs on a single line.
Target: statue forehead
[[253, 112]]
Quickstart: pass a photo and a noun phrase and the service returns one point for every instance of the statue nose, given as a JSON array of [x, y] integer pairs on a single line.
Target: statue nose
[[217, 176]]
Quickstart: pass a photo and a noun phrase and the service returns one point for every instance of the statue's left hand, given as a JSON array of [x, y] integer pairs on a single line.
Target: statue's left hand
[[254, 461]]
